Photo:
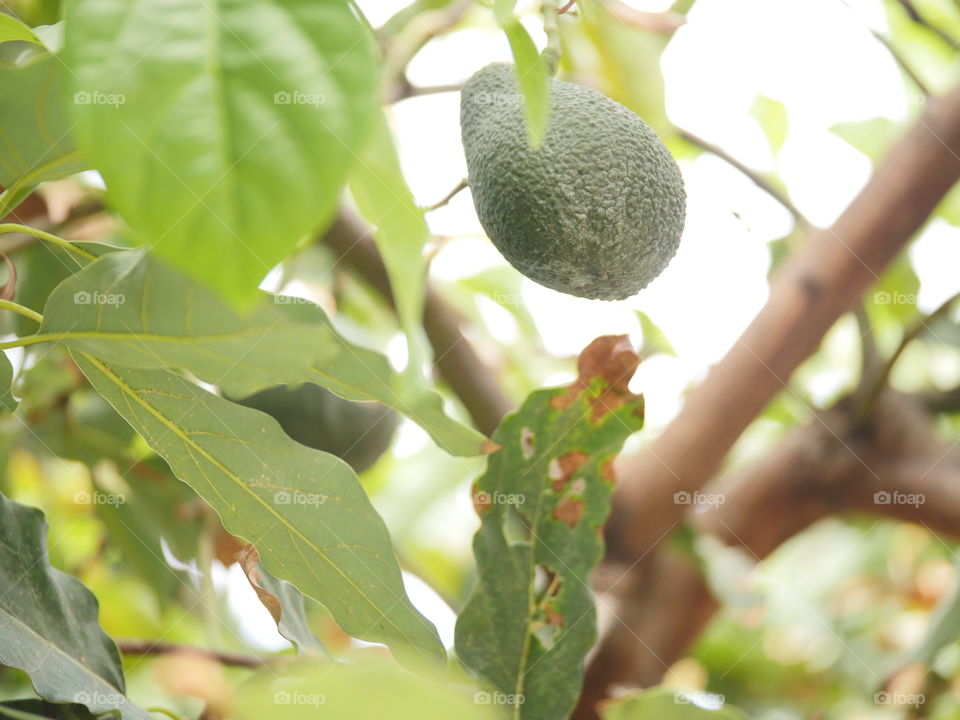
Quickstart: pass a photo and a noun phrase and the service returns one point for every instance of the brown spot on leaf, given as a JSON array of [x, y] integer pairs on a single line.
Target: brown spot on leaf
[[612, 358], [249, 560], [489, 447], [554, 617], [562, 468], [608, 473], [568, 511]]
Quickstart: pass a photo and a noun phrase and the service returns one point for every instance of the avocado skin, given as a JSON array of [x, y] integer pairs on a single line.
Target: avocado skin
[[597, 211], [357, 432]]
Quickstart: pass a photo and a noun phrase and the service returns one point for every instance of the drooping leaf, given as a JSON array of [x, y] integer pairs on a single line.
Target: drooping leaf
[[35, 142], [133, 310], [7, 399], [304, 510], [370, 689], [358, 373], [13, 29], [659, 703], [532, 79], [772, 116], [385, 200], [542, 502], [284, 602], [48, 622], [230, 138]]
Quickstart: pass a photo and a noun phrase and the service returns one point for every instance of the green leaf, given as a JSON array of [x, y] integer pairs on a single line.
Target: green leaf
[[772, 116], [35, 144], [304, 510], [654, 339], [7, 399], [357, 373], [358, 691], [871, 137], [13, 29], [224, 131], [385, 200], [531, 620], [48, 622], [130, 309], [660, 702], [283, 601], [533, 79]]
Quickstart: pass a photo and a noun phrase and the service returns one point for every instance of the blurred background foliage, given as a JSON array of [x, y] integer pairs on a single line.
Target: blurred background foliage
[[826, 620]]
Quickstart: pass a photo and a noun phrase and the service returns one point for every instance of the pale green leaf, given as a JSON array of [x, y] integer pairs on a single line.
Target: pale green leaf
[[533, 80], [304, 510], [660, 703], [13, 29], [544, 498], [224, 131], [654, 339], [7, 399], [772, 116], [385, 200], [871, 137], [48, 622]]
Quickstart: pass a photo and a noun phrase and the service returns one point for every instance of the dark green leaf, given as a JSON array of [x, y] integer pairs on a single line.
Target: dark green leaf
[[304, 510], [224, 131], [48, 622], [531, 620]]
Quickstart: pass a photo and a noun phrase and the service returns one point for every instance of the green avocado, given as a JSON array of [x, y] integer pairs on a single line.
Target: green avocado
[[357, 432], [596, 211]]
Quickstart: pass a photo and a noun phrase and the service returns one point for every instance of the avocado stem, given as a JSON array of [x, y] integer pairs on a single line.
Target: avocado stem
[[551, 54]]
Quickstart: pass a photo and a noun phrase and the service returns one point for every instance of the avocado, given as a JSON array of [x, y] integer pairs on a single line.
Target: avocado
[[596, 211], [357, 432]]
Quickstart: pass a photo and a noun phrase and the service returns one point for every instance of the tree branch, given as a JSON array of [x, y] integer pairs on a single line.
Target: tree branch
[[150, 647]]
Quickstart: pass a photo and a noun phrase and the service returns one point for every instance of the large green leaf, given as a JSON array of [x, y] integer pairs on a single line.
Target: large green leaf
[[13, 29], [132, 310], [355, 691], [224, 131], [382, 195], [660, 703], [304, 510], [48, 622], [35, 143], [543, 500]]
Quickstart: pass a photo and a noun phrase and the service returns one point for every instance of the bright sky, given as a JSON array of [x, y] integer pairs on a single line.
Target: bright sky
[[816, 57]]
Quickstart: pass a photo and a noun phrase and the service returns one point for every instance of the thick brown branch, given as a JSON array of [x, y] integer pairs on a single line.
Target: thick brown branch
[[469, 378]]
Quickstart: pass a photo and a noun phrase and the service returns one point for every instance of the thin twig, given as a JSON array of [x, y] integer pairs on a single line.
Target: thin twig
[[902, 62], [873, 388], [757, 179], [462, 185], [150, 647]]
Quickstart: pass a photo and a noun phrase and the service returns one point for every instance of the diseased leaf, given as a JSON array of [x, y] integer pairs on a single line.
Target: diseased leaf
[[48, 622], [772, 116], [385, 200], [284, 602], [133, 310], [532, 78], [304, 510], [659, 703], [542, 502], [230, 139]]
